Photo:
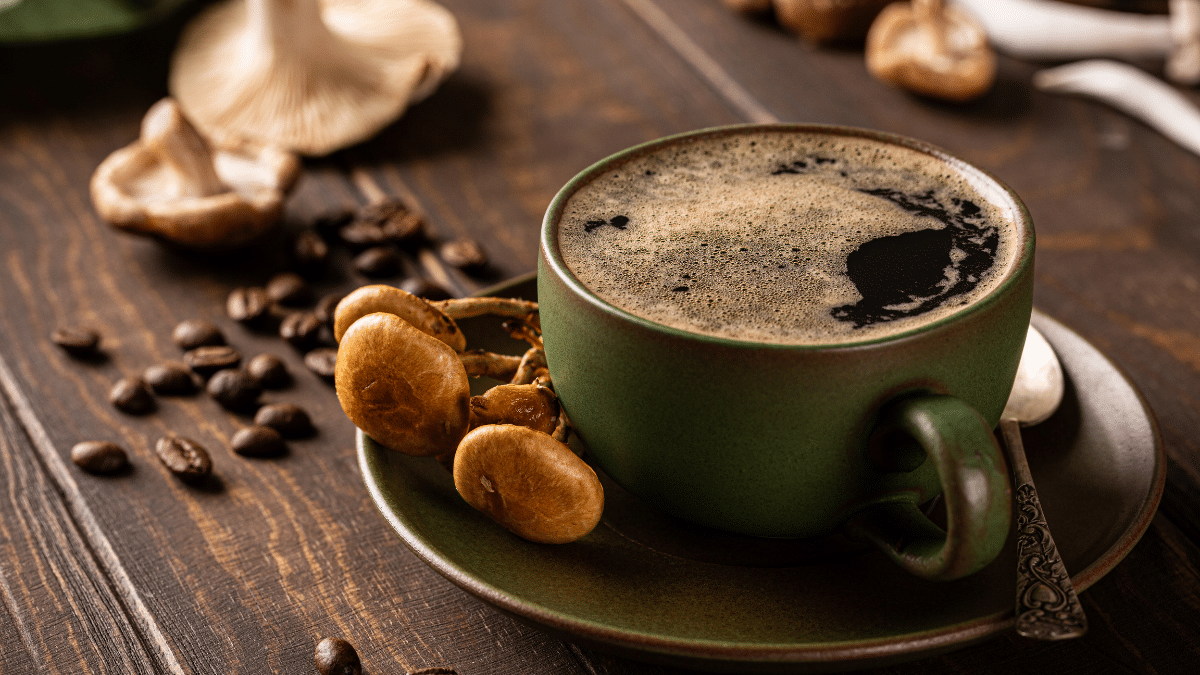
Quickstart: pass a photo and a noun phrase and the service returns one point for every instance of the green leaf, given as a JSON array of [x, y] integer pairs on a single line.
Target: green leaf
[[41, 20]]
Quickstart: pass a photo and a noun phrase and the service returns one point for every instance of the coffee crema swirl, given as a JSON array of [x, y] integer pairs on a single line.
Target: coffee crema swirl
[[788, 238]]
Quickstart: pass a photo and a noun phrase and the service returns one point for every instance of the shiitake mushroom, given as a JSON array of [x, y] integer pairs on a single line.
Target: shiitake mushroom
[[383, 298], [402, 387], [529, 483]]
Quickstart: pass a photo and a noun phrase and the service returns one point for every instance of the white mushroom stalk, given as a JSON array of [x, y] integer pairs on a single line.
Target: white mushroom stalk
[[1131, 91], [313, 76], [1055, 31], [172, 185]]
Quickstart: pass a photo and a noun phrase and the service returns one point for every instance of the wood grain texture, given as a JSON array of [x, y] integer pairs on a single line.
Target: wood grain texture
[[141, 573]]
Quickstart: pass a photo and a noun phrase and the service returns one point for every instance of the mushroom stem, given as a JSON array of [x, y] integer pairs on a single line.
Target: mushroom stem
[[520, 330], [176, 143], [1183, 63], [463, 308], [533, 359], [480, 363]]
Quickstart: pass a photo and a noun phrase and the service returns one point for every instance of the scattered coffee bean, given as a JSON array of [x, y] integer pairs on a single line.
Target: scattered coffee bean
[[322, 361], [328, 223], [192, 333], [76, 341], [335, 656], [378, 261], [423, 288], [301, 330], [99, 456], [310, 254], [248, 304], [326, 307], [257, 441], [270, 371], [289, 419], [204, 361], [183, 457], [359, 235], [131, 395], [463, 253], [376, 213], [289, 288], [235, 389], [170, 378]]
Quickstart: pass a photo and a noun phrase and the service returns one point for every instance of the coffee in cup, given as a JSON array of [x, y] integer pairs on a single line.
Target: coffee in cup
[[793, 331]]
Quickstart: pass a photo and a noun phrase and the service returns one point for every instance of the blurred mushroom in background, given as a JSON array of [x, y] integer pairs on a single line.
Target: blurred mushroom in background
[[312, 76]]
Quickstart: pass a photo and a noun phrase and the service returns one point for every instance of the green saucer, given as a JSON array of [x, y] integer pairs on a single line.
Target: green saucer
[[655, 590]]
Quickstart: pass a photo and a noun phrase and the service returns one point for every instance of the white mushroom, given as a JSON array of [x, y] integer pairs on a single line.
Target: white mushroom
[[311, 75], [1052, 30], [1183, 63], [1132, 91], [170, 184]]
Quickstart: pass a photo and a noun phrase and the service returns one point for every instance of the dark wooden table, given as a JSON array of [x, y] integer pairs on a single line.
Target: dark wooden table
[[141, 573]]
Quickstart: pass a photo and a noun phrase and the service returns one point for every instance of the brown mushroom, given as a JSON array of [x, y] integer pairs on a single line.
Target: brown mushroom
[[828, 21], [171, 185], [529, 483], [313, 76], [930, 48], [529, 405], [515, 308], [402, 387], [482, 363], [365, 300]]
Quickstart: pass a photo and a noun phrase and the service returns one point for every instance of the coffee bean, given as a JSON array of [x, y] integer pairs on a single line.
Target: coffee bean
[[99, 456], [463, 253], [204, 361], [77, 341], [301, 330], [183, 457], [131, 395], [359, 235], [404, 229], [270, 371], [378, 261], [326, 307], [322, 361], [257, 441], [289, 419], [248, 305], [289, 288], [436, 670], [376, 213], [329, 222], [310, 254], [423, 288], [170, 378], [335, 656], [192, 333], [235, 389]]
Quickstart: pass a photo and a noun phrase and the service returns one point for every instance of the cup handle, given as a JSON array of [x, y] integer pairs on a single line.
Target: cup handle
[[975, 489]]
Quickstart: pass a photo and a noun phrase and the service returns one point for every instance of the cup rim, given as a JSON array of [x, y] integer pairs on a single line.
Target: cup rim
[[996, 190]]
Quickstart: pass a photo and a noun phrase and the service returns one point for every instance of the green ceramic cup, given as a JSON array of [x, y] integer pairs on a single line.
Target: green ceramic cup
[[779, 440]]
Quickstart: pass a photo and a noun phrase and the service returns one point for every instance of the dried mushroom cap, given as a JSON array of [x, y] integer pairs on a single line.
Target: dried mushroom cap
[[528, 405], [365, 300], [529, 483], [828, 21], [403, 388], [931, 49], [172, 185], [310, 75]]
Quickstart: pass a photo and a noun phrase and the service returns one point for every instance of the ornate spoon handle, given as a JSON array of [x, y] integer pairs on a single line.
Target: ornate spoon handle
[[1047, 606]]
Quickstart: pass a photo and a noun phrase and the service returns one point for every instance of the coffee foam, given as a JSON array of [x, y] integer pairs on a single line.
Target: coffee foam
[[748, 237]]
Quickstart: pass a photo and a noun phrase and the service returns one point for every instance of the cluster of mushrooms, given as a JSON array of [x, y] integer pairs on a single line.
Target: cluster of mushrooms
[[254, 84], [945, 48], [402, 377], [925, 46]]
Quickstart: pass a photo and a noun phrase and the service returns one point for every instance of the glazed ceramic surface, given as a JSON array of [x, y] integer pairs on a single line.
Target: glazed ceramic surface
[[656, 589]]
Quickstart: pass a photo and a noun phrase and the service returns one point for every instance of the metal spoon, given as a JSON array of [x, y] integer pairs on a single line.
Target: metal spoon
[[1047, 606]]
